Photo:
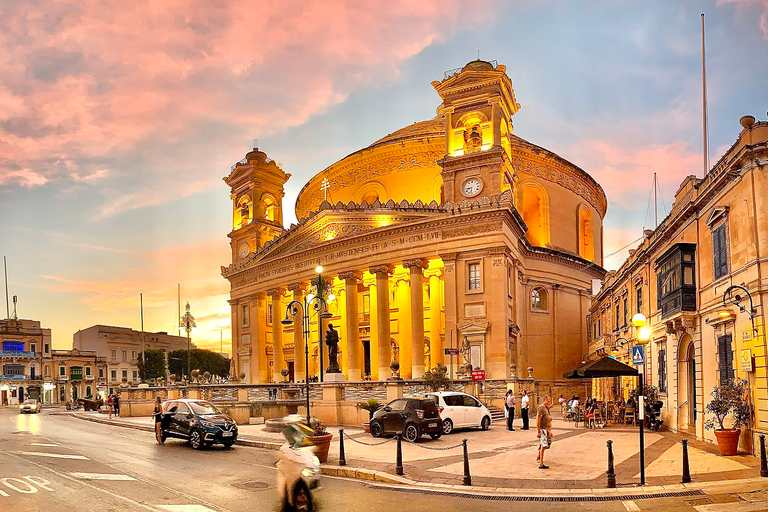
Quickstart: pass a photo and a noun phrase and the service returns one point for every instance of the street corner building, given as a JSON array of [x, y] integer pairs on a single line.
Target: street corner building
[[449, 233], [699, 279]]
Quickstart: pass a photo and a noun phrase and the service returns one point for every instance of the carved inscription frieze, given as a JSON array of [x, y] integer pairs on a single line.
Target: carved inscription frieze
[[472, 230]]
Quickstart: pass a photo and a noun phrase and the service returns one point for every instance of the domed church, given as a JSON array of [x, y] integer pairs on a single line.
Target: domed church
[[449, 241]]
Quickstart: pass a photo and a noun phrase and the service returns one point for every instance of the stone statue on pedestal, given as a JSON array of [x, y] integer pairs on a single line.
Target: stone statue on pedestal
[[332, 340]]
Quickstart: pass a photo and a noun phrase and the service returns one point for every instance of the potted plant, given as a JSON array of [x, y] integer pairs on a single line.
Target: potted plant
[[436, 377], [730, 398], [371, 405], [321, 438]]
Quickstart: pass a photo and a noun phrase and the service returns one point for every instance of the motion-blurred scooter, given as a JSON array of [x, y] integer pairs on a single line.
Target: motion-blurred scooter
[[298, 470]]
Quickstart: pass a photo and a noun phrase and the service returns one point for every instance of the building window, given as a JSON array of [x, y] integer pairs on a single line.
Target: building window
[[599, 327], [539, 299], [13, 369], [135, 375], [617, 319], [639, 300], [662, 371], [113, 373], [46, 348], [365, 314], [474, 276], [720, 251], [101, 373], [125, 356], [626, 310], [725, 358], [62, 370], [113, 354], [133, 356], [47, 370], [676, 285], [13, 346], [33, 348], [245, 314], [125, 374], [87, 371], [269, 314]]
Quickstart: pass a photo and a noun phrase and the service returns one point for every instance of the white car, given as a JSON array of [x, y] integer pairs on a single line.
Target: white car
[[30, 406], [461, 410]]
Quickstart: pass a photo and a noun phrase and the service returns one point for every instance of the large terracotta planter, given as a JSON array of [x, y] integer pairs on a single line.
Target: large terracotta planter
[[728, 441], [323, 444], [367, 427]]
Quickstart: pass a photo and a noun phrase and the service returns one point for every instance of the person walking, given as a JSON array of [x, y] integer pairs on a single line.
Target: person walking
[[158, 414], [110, 405], [544, 429], [524, 401], [116, 403], [509, 402]]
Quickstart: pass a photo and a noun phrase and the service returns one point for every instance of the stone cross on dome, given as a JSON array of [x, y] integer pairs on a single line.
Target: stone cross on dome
[[324, 186]]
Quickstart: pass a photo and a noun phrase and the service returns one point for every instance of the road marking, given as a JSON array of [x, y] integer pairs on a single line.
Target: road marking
[[44, 444], [54, 455], [733, 507], [102, 476], [631, 506], [28, 488], [185, 508]]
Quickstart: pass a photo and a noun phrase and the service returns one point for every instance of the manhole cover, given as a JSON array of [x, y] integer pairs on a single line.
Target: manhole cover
[[254, 484]]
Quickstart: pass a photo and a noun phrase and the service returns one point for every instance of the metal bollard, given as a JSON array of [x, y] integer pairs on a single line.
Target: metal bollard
[[611, 473], [763, 461], [467, 476], [686, 467], [399, 463], [342, 455]]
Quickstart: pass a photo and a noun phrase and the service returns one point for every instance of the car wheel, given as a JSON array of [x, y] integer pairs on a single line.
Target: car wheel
[[302, 499], [376, 430], [435, 435], [196, 440], [447, 426], [411, 432], [228, 444], [486, 423]]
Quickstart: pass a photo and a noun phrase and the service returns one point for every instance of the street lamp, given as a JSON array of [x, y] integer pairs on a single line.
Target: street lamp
[[734, 297], [300, 310], [187, 322]]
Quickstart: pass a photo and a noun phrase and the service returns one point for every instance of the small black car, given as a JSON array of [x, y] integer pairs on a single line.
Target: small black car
[[410, 417], [199, 422]]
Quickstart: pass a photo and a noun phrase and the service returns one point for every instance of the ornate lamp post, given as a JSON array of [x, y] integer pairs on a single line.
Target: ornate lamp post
[[733, 296], [187, 322], [301, 310]]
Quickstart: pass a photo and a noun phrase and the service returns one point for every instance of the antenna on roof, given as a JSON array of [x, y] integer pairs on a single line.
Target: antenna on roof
[[478, 54], [7, 311], [255, 143]]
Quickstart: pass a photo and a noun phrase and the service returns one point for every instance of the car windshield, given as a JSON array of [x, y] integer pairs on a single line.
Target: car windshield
[[30, 402], [203, 408]]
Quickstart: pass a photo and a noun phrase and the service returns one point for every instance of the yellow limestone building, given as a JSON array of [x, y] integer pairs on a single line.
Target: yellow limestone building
[[449, 233]]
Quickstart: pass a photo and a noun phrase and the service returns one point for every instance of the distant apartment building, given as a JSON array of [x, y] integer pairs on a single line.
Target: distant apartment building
[[22, 346], [121, 346], [75, 374]]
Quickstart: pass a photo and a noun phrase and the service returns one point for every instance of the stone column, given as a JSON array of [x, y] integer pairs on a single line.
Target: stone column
[[496, 122], [383, 335], [448, 130], [278, 361], [369, 280], [451, 289], [403, 337], [237, 356], [253, 347], [354, 348], [299, 368], [415, 267], [435, 314], [261, 337]]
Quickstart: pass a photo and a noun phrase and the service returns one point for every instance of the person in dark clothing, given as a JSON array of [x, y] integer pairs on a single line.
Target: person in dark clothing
[[158, 414], [524, 401], [509, 403], [116, 404]]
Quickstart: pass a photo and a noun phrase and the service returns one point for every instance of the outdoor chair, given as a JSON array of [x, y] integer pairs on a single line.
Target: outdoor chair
[[629, 415], [599, 420]]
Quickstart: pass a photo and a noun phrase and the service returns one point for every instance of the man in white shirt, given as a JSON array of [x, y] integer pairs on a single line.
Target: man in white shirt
[[509, 403], [524, 409]]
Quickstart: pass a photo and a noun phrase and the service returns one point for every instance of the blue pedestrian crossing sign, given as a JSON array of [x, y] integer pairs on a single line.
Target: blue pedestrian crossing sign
[[637, 355]]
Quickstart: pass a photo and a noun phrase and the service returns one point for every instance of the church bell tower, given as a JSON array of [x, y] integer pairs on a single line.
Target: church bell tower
[[478, 104], [256, 184]]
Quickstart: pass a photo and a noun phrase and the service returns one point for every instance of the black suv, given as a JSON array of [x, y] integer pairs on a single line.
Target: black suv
[[199, 422], [410, 417]]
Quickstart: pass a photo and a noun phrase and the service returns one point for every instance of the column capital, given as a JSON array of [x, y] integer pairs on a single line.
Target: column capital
[[433, 272], [449, 256], [351, 274], [415, 263], [297, 287], [400, 277], [385, 269], [253, 296], [276, 292], [233, 302]]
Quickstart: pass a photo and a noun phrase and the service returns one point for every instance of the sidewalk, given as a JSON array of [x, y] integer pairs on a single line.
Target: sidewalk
[[505, 462]]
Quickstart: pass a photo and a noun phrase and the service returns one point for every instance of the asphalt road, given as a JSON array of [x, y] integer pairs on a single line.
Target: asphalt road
[[57, 463]]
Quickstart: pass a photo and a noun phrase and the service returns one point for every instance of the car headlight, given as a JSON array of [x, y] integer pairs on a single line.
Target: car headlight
[[21, 407], [308, 472], [207, 423]]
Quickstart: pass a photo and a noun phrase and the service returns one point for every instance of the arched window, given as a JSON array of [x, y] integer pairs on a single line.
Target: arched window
[[539, 299], [244, 213], [269, 207], [534, 207], [586, 234]]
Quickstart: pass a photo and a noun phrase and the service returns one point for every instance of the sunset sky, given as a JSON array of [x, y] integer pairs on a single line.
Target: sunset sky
[[118, 121]]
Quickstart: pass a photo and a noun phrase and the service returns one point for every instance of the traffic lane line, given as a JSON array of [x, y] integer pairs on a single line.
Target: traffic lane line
[[102, 476], [51, 445], [54, 455]]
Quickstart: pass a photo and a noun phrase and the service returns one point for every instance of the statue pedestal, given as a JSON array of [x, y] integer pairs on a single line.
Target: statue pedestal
[[334, 377]]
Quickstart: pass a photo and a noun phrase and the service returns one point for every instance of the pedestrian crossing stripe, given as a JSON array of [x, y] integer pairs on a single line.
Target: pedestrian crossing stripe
[[101, 476], [54, 455]]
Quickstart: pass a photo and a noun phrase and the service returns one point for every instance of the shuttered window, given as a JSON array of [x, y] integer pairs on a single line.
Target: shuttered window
[[662, 371], [725, 358], [720, 251]]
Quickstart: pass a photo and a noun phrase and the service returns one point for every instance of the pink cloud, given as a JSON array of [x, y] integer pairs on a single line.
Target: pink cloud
[[90, 81], [763, 20]]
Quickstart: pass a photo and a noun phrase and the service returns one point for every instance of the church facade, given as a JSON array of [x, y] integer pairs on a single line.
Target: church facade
[[451, 233]]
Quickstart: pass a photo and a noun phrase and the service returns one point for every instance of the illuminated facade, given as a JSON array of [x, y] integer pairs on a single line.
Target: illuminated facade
[[22, 346], [712, 239], [449, 233]]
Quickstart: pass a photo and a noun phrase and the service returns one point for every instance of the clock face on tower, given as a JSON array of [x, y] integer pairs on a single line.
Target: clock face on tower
[[472, 187], [243, 251]]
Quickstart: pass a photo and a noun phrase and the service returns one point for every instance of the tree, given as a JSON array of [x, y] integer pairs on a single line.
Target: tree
[[436, 377], [730, 398], [155, 364], [203, 360]]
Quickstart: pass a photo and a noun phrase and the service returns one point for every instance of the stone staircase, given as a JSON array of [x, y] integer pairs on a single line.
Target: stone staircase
[[497, 415]]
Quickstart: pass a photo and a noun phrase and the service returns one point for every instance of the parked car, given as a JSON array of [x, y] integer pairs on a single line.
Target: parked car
[[410, 417], [30, 405], [298, 469], [459, 410], [199, 422]]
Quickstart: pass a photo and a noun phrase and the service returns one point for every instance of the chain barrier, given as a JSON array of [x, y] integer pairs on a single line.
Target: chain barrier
[[367, 444], [393, 438], [438, 449]]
